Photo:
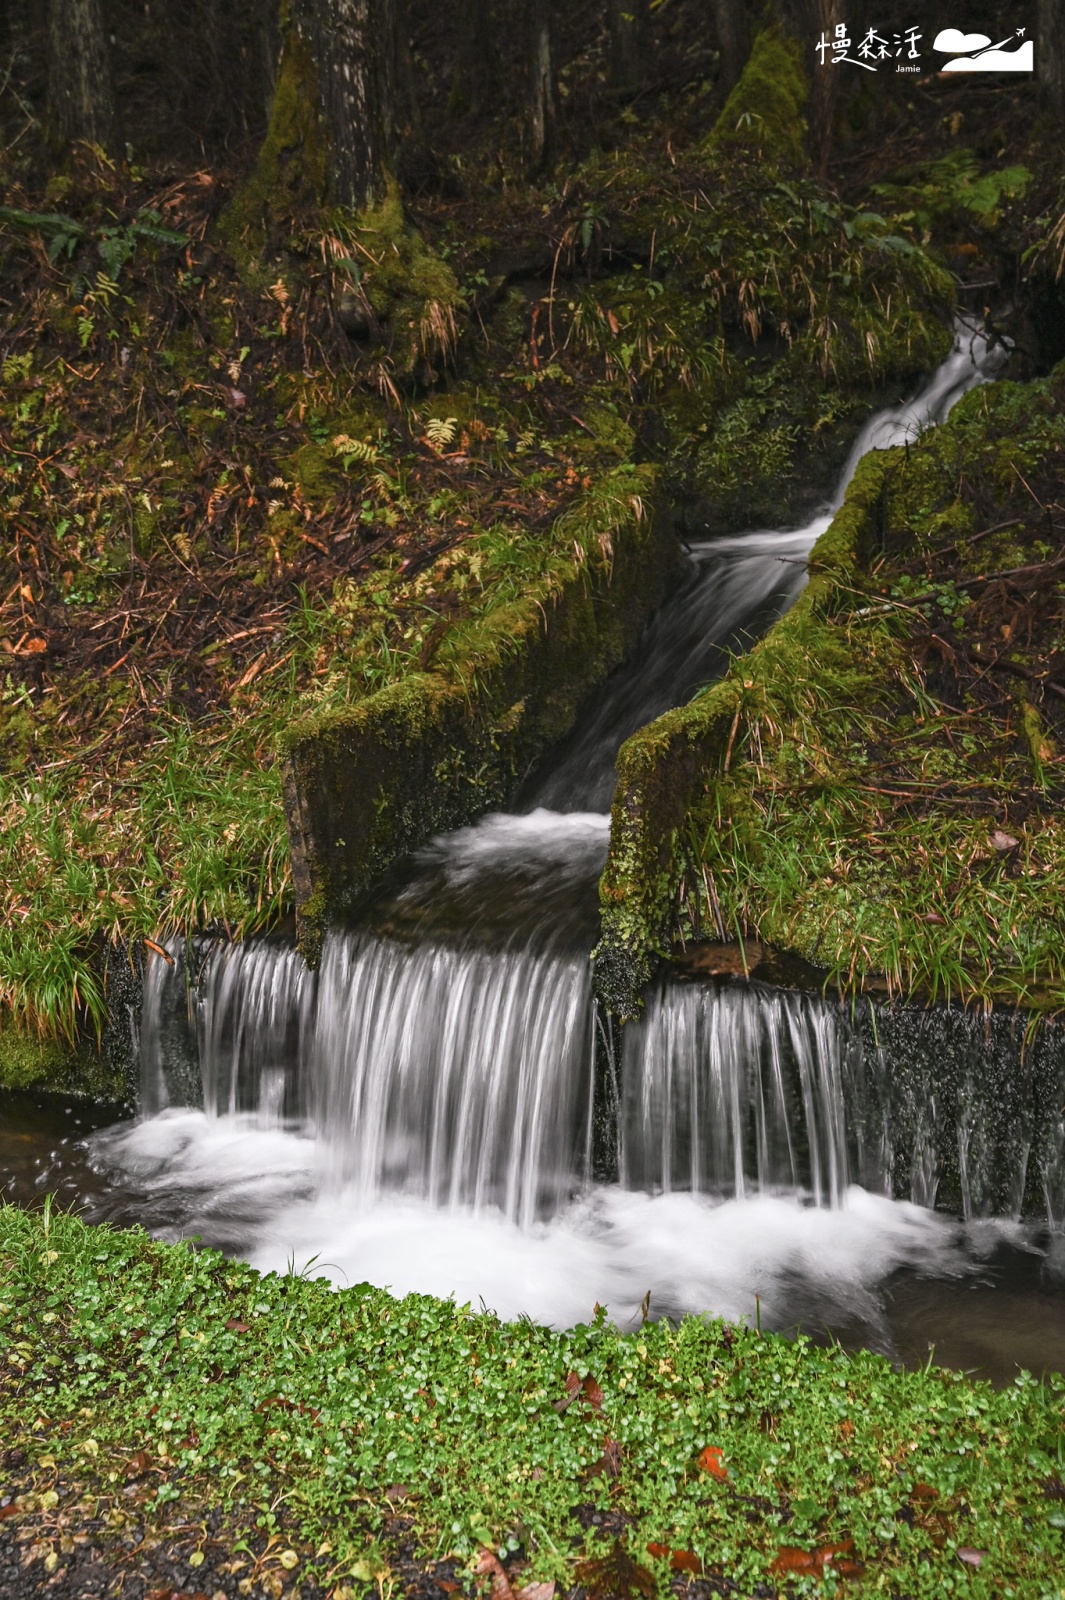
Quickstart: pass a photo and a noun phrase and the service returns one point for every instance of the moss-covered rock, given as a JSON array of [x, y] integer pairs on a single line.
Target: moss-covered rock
[[367, 784], [30, 1060]]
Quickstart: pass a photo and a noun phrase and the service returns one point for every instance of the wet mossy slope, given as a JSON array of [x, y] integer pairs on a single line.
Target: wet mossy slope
[[367, 784], [877, 786]]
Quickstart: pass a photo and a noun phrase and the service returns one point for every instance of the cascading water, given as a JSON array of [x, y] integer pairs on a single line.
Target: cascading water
[[431, 1109]]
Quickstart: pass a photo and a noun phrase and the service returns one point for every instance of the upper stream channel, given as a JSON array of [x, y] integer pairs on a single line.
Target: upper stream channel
[[441, 1107]]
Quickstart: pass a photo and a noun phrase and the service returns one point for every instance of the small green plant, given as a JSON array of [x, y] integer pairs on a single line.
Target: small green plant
[[116, 243]]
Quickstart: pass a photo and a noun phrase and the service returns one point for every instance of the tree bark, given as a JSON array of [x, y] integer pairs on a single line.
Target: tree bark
[[817, 17], [541, 83], [81, 101], [353, 45], [734, 40], [628, 38], [1050, 56], [477, 70]]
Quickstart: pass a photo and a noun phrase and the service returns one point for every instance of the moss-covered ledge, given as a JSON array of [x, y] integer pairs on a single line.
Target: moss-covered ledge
[[663, 770], [877, 786], [366, 784]]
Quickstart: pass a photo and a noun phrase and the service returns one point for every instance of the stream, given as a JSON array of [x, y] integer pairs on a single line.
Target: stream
[[442, 1108]]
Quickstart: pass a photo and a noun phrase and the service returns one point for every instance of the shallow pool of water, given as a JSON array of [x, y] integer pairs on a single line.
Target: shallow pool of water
[[876, 1273]]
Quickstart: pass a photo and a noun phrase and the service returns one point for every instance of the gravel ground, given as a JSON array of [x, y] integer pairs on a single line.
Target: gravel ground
[[80, 1539]]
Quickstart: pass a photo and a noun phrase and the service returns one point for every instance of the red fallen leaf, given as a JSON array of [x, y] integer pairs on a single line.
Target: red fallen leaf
[[711, 1461], [138, 1464], [9, 1511], [828, 1552], [679, 1560], [971, 1558], [845, 1568], [489, 1563], [789, 1558], [32, 647], [235, 1326], [592, 1393], [924, 1491], [447, 1585]]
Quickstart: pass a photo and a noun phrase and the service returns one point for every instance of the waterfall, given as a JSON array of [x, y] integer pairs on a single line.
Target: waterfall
[[469, 1077], [441, 1107]]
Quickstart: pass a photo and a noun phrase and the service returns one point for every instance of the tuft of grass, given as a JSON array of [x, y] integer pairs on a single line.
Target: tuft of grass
[[266, 1390]]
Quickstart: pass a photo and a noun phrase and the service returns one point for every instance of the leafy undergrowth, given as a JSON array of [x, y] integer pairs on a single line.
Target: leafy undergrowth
[[144, 1382], [891, 802]]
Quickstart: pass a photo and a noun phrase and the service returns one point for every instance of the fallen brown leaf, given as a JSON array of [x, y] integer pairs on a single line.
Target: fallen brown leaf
[[538, 1591], [789, 1558], [615, 1576], [679, 1560], [489, 1564]]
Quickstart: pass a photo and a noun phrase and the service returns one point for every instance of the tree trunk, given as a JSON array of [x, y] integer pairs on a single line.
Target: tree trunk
[[628, 30], [352, 43], [817, 18], [81, 101], [1050, 55], [477, 71], [734, 40], [541, 84], [403, 110]]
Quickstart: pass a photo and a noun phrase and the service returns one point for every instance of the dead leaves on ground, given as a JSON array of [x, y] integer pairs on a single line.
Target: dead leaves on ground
[[679, 1560], [489, 1565], [792, 1560], [615, 1576], [712, 1461], [586, 1389]]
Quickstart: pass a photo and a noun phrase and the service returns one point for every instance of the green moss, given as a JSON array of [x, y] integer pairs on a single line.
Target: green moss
[[292, 171], [366, 784], [30, 1060], [764, 112], [411, 290]]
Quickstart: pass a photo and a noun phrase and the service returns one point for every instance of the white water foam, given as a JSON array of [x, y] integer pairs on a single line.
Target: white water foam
[[257, 1188]]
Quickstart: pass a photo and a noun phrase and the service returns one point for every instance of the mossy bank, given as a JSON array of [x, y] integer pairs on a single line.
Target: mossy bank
[[877, 786]]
